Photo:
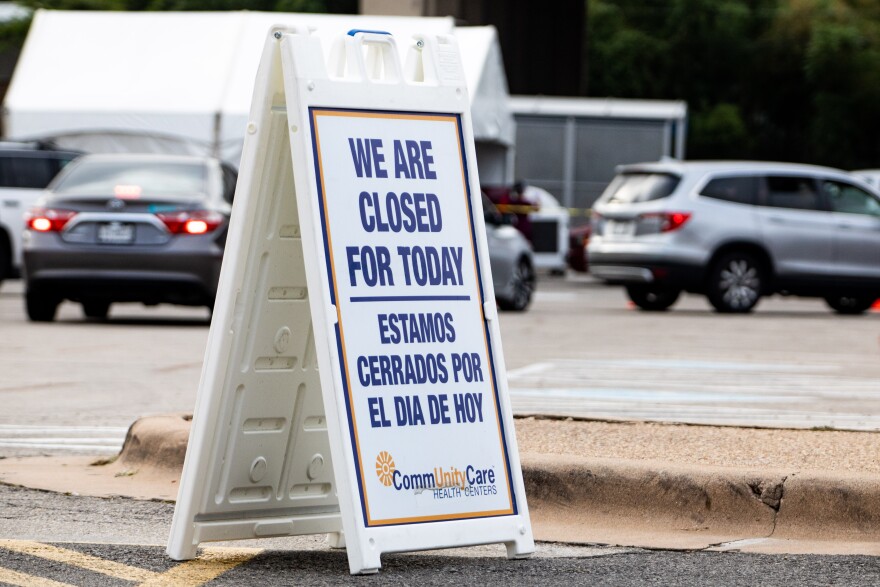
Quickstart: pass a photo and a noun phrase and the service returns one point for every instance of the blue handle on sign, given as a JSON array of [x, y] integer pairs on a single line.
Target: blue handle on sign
[[353, 32]]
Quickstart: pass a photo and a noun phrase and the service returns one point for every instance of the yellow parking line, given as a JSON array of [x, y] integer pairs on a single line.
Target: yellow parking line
[[22, 580], [212, 563], [78, 559]]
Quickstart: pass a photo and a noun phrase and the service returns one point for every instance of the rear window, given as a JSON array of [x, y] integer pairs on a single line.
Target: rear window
[[740, 190], [133, 179], [629, 188]]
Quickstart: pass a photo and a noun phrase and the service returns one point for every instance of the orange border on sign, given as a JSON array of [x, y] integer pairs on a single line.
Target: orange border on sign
[[315, 113]]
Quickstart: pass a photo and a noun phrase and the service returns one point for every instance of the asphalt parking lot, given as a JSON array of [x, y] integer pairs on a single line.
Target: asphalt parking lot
[[581, 350], [74, 386]]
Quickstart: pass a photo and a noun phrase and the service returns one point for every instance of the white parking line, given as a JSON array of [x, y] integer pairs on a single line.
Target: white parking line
[[532, 369], [698, 392], [92, 439], [649, 395], [11, 429]]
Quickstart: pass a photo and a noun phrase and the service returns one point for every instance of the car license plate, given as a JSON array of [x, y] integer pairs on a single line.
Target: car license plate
[[616, 228], [116, 233]]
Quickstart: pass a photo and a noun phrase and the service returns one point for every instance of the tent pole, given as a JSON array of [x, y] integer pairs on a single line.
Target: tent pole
[[215, 145]]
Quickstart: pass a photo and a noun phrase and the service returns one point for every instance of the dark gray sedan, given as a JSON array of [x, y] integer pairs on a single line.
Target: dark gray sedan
[[128, 228]]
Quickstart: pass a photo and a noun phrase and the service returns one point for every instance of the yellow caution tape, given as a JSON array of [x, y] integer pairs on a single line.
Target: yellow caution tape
[[528, 209]]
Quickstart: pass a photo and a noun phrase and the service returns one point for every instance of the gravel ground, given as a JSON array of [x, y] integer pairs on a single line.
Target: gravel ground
[[813, 450]]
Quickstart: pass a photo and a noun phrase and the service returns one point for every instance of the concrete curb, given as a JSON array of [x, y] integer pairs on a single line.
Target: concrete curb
[[571, 499], [157, 441], [647, 504], [657, 505]]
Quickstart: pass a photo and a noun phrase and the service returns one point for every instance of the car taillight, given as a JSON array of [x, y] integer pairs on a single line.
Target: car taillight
[[191, 221], [665, 221], [48, 219]]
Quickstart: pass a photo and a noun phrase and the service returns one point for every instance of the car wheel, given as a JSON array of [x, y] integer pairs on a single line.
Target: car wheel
[[96, 309], [41, 307], [736, 283], [522, 284], [850, 304], [652, 298]]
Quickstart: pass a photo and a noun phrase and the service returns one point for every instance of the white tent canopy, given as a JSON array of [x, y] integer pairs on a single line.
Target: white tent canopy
[[181, 82]]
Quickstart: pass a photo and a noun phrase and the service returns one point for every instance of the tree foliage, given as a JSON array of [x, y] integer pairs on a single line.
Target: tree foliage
[[12, 34], [795, 80]]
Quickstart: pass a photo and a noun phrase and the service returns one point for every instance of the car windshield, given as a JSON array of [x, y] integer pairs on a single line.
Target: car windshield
[[628, 188], [134, 179]]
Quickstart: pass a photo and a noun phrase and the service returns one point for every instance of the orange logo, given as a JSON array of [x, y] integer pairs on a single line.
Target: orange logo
[[385, 468]]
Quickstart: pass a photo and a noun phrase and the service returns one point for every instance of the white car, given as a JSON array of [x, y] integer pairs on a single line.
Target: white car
[[550, 226], [25, 171], [869, 176]]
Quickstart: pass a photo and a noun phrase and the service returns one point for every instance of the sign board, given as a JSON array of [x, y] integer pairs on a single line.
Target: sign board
[[354, 382]]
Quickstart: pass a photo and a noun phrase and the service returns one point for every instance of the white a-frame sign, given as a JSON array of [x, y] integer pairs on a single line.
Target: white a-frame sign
[[354, 383]]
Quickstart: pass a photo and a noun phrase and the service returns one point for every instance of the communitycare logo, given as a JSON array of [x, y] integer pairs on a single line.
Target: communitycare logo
[[385, 468], [445, 482]]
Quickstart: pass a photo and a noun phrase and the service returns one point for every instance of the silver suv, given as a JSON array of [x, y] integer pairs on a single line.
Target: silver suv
[[735, 231]]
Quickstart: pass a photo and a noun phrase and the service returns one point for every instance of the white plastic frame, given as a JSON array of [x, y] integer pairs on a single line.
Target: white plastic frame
[[273, 333]]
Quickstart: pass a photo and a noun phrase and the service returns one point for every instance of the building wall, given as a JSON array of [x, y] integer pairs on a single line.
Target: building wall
[[574, 158], [393, 7]]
